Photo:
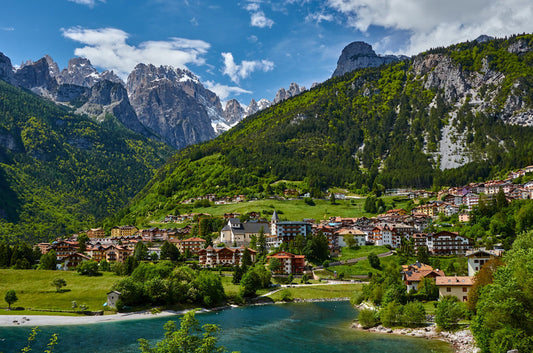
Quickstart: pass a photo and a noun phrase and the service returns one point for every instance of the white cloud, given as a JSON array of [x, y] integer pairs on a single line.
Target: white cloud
[[437, 23], [259, 19], [237, 72], [107, 49], [7, 29], [224, 91], [89, 3], [318, 17], [257, 16]]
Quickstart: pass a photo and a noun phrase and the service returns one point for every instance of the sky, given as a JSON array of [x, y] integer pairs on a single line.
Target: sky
[[246, 48]]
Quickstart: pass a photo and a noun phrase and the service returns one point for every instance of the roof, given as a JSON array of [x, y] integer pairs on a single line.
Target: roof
[[497, 253], [415, 276], [255, 227], [195, 239], [454, 281]]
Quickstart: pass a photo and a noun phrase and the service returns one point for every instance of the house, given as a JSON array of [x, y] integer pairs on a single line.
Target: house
[[237, 233], [478, 257], [192, 245], [117, 253], [213, 257], [430, 209], [458, 286], [290, 263], [43, 247], [96, 233], [464, 216], [358, 235], [64, 248], [72, 261], [413, 276], [448, 243], [112, 299], [123, 231], [97, 252], [470, 200]]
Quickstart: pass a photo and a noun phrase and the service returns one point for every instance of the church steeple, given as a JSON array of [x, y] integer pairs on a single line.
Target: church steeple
[[275, 217]]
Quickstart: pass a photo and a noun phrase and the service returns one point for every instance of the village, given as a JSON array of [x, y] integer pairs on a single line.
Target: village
[[393, 229]]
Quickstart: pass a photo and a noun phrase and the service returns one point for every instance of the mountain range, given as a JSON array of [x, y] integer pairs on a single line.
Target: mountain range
[[448, 116], [165, 103]]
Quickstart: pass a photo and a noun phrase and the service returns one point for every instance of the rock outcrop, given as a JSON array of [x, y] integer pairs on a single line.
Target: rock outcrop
[[168, 104], [283, 94], [233, 112], [360, 55]]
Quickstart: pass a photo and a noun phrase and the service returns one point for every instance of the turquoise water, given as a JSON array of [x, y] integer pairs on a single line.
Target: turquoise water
[[301, 327]]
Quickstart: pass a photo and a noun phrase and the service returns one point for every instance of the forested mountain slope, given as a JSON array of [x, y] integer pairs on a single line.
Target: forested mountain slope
[[59, 172], [444, 117]]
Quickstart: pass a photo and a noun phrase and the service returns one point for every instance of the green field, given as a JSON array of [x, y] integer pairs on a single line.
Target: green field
[[34, 289], [294, 210], [364, 251], [319, 291]]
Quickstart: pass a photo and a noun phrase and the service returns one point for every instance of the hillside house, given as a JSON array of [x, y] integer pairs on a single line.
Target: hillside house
[[478, 257], [448, 243], [236, 233], [290, 263], [226, 256], [192, 245], [458, 286]]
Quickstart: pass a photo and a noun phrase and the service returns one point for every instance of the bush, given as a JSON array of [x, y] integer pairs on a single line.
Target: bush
[[448, 313], [286, 295], [88, 268], [367, 318]]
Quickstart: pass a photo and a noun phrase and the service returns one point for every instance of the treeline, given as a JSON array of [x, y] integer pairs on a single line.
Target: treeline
[[165, 284], [59, 172], [18, 256], [368, 130]]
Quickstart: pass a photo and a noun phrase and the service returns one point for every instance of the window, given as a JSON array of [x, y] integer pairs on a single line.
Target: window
[[448, 289], [465, 289]]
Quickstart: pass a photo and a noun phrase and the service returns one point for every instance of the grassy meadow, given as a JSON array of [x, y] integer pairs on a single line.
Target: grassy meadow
[[294, 210], [34, 289], [318, 291]]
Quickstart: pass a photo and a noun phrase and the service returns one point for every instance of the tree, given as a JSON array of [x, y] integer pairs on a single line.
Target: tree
[[422, 255], [374, 261], [82, 242], [11, 297], [274, 265], [141, 251], [189, 338], [169, 251], [154, 256], [88, 268], [246, 260], [261, 243], [428, 289], [48, 261], [413, 314], [250, 283], [332, 199], [317, 248], [59, 283], [367, 318], [370, 204], [448, 313], [482, 278]]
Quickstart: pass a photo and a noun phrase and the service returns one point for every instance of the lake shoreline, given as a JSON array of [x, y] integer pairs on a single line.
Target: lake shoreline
[[461, 341], [58, 320]]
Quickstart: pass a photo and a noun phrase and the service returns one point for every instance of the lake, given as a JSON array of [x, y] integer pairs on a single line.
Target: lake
[[298, 327]]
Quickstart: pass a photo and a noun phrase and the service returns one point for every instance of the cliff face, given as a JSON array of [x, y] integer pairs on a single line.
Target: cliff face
[[169, 106], [360, 55]]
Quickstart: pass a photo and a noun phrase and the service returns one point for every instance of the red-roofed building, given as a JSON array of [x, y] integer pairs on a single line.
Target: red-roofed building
[[290, 263], [193, 245], [458, 286]]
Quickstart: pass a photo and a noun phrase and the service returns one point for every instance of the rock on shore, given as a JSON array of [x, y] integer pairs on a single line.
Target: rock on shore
[[461, 341]]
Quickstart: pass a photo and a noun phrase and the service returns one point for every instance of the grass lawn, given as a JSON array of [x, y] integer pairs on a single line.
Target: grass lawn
[[319, 291], [347, 253], [294, 210], [232, 290], [34, 289]]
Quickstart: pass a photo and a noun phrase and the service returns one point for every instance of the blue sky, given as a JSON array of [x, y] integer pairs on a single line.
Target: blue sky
[[246, 48]]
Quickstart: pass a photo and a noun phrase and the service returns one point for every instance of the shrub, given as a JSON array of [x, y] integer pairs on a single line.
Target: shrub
[[367, 318]]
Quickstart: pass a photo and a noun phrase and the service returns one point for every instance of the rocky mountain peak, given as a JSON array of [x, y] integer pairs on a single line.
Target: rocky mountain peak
[[282, 94], [359, 55], [36, 76], [6, 68], [81, 72], [233, 112]]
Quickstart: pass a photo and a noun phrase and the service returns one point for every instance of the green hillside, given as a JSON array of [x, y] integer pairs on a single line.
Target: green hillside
[[368, 130], [59, 172]]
